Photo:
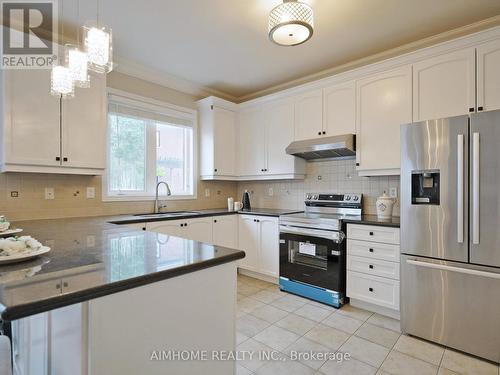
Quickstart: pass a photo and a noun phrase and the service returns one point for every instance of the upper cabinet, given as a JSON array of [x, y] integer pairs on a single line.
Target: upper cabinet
[[251, 142], [309, 115], [383, 104], [488, 76], [45, 134], [444, 85], [218, 139], [339, 109]]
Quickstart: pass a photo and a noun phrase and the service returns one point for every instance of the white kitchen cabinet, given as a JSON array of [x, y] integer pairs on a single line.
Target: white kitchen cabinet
[[45, 134], [84, 126], [217, 139], [136, 226], [258, 236], [225, 231], [339, 109], [384, 102], [488, 76], [309, 115], [248, 241], [197, 229], [444, 85], [279, 118], [251, 143]]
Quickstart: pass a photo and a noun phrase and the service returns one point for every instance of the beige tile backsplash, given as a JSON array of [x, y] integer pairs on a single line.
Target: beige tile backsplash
[[70, 193], [338, 176]]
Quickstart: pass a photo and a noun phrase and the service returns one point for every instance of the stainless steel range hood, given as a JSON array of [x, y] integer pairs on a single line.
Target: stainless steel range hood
[[336, 147]]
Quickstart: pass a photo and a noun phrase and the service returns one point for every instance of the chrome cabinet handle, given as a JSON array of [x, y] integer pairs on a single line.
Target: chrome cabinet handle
[[475, 188], [460, 188]]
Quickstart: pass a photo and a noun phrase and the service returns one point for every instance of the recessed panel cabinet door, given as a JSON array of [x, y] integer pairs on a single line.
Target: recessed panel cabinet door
[[32, 123], [199, 229], [84, 126], [339, 109], [383, 104], [444, 86], [269, 246], [169, 227], [225, 231], [252, 143], [309, 115], [248, 241], [488, 76], [224, 142]]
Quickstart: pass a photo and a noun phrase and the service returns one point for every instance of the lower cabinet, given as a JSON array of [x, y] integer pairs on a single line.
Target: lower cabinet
[[258, 237], [225, 231], [198, 229], [373, 267]]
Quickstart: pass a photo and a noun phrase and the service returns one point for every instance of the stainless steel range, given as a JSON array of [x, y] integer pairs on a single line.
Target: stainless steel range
[[312, 247]]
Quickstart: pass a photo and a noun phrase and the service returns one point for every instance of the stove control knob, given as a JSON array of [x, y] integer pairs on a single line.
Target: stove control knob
[[308, 196], [356, 198], [315, 197], [347, 197]]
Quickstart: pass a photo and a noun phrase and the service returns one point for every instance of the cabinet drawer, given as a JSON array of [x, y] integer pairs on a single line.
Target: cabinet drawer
[[373, 233], [374, 267], [373, 250], [373, 289]]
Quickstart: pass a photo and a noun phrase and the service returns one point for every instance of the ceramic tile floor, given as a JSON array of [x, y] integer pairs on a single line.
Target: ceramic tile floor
[[273, 321]]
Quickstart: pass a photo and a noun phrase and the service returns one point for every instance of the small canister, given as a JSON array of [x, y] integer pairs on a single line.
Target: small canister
[[230, 204], [384, 206]]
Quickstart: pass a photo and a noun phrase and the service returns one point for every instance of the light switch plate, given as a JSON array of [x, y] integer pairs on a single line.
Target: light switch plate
[[207, 193], [393, 192], [270, 191], [49, 193], [90, 192]]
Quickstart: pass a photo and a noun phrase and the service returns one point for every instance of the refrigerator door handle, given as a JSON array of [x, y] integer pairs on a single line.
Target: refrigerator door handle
[[444, 267], [475, 188], [460, 188]]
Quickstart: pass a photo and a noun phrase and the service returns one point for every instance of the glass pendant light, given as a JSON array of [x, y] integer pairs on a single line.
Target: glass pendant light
[[291, 23], [61, 82], [77, 62], [99, 48]]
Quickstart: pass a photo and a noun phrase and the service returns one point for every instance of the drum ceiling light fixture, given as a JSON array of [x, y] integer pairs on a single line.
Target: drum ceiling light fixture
[[291, 23]]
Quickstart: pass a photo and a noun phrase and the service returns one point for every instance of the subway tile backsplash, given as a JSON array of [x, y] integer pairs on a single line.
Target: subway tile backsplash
[[338, 176]]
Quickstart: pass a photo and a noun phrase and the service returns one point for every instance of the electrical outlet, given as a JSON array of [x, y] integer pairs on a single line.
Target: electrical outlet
[[270, 191], [90, 192], [207, 193], [393, 192], [90, 241], [49, 193]]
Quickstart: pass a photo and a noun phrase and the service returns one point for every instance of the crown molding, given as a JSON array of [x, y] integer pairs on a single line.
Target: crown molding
[[167, 80]]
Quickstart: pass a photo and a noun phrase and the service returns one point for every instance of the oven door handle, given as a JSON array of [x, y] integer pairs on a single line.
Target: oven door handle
[[337, 237]]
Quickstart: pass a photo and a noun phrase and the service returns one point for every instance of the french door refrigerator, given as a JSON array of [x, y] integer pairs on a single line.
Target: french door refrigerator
[[450, 232]]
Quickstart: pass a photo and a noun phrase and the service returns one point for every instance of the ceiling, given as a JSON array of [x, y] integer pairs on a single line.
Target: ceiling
[[223, 44]]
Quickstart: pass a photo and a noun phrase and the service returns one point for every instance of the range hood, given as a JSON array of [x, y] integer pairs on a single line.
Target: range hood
[[336, 147]]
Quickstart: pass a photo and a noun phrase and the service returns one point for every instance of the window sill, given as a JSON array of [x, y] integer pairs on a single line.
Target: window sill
[[132, 198]]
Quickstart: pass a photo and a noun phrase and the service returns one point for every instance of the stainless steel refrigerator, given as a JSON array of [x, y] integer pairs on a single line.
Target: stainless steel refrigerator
[[450, 232]]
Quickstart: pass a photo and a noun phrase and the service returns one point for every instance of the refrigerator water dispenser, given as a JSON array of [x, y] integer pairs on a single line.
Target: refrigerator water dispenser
[[425, 187]]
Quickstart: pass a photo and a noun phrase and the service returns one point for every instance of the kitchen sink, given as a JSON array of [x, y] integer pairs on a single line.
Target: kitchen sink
[[168, 214]]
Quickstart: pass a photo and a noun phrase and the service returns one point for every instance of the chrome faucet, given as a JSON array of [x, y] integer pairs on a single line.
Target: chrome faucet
[[158, 208]]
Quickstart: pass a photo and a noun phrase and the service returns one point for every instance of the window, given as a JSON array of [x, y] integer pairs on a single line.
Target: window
[[148, 143]]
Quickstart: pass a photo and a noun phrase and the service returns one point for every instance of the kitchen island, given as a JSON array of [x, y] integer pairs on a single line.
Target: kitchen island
[[108, 299]]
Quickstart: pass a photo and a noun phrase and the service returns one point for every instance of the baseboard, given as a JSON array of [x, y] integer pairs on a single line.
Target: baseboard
[[256, 275], [375, 308]]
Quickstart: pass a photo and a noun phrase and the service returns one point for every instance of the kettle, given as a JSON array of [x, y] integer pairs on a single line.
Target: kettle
[[246, 200]]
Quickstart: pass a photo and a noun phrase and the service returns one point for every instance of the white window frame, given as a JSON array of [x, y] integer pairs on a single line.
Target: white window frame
[[145, 103]]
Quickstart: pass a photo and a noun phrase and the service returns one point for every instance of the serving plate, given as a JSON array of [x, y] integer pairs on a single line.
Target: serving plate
[[10, 232], [27, 255]]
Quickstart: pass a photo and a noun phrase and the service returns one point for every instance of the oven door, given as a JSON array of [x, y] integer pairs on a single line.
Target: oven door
[[312, 256]]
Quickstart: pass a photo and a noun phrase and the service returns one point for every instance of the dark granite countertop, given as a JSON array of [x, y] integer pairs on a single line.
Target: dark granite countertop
[[130, 219], [373, 220], [91, 258]]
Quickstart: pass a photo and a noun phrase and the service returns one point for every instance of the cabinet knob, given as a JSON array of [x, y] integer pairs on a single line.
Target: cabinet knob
[[471, 109], [370, 289], [58, 158], [215, 221], [185, 224], [324, 132], [65, 159], [480, 108], [65, 284], [370, 250], [357, 164], [319, 133], [215, 170], [371, 233], [58, 286], [371, 266], [182, 225]]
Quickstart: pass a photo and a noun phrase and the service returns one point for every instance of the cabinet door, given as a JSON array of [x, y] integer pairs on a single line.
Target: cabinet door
[[248, 241], [225, 231], [224, 142], [444, 86], [339, 109], [251, 141], [199, 229], [309, 115], [383, 104], [137, 226], [279, 122], [488, 76], [32, 122], [269, 246], [169, 227], [84, 126]]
